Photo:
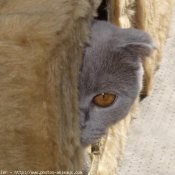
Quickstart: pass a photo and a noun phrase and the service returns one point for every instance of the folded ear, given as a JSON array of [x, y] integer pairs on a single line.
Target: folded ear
[[138, 43]]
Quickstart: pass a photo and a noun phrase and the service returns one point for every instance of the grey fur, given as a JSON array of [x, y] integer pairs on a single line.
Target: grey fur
[[111, 64]]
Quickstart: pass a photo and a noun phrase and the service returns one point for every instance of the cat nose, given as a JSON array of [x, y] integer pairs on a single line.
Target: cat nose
[[82, 122], [83, 119], [83, 125]]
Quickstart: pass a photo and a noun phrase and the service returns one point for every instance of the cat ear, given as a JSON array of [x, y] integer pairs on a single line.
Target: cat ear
[[138, 43]]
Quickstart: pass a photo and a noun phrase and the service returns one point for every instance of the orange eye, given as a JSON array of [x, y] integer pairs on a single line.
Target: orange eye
[[104, 99]]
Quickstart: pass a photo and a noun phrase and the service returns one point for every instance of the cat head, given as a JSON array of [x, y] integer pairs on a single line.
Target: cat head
[[110, 76]]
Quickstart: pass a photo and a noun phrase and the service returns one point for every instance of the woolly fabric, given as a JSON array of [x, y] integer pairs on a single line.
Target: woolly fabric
[[41, 44], [154, 18], [122, 13]]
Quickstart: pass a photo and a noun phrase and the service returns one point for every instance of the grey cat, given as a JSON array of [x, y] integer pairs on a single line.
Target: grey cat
[[110, 76]]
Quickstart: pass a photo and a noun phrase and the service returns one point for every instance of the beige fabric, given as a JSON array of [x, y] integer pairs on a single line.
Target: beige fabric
[[41, 45], [153, 17]]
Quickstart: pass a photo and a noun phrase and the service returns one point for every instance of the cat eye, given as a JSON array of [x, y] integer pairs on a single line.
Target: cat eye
[[104, 99]]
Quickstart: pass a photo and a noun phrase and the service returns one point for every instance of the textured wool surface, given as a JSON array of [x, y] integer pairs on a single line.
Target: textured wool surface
[[41, 44], [154, 18]]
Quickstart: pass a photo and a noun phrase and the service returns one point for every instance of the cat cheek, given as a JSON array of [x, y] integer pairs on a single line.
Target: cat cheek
[[82, 123], [84, 117]]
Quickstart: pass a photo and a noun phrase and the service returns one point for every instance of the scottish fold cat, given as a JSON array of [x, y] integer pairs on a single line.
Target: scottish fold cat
[[110, 76]]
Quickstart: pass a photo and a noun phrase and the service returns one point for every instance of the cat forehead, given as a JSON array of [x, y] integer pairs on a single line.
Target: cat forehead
[[105, 56], [106, 51], [104, 31], [107, 63], [104, 69]]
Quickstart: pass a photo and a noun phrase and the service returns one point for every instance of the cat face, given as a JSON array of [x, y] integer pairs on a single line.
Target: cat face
[[110, 77]]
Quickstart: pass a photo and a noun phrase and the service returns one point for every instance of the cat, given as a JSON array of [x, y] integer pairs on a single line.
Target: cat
[[110, 76]]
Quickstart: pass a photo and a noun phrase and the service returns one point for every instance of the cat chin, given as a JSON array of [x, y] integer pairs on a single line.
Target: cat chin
[[87, 141], [84, 143]]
